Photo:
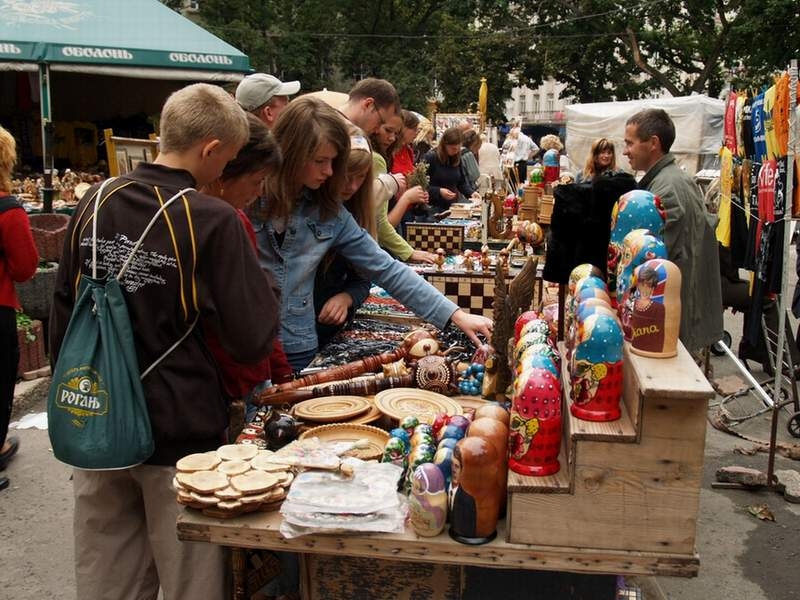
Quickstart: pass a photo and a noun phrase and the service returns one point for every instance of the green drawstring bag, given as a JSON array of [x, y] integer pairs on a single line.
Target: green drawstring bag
[[96, 410]]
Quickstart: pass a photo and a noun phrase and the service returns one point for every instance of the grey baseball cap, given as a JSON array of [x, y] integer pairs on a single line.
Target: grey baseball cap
[[256, 90]]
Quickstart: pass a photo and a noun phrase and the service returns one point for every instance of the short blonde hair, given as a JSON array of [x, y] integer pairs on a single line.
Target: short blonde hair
[[551, 142], [201, 112], [8, 159]]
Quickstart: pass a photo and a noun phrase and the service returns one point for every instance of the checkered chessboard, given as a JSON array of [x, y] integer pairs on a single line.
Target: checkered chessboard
[[430, 236], [473, 294]]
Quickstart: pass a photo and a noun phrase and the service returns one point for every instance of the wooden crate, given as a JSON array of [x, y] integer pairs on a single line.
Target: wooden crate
[[635, 483], [431, 236]]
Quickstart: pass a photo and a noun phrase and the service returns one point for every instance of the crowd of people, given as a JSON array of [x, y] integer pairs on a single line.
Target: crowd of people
[[288, 214]]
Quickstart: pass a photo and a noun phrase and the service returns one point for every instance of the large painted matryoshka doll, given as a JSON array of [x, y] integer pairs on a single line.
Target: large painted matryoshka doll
[[535, 424], [656, 309], [596, 369], [638, 209], [638, 246]]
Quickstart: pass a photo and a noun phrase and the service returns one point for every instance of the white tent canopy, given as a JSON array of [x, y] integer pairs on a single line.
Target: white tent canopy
[[698, 127]]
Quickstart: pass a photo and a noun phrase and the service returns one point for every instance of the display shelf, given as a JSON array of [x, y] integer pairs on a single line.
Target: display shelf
[[261, 530]]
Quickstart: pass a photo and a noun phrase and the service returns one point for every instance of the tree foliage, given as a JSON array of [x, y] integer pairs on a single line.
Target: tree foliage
[[601, 49]]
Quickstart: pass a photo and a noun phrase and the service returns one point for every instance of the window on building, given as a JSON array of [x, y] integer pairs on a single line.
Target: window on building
[[536, 106], [523, 104], [550, 107]]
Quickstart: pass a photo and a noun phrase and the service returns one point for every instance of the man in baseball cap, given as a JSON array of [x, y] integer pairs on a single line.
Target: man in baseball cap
[[265, 96]]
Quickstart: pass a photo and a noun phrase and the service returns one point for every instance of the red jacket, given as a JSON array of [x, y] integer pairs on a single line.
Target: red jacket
[[18, 255], [240, 378], [403, 161]]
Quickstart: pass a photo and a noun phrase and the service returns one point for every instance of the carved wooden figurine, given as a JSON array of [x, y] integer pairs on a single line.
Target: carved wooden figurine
[[439, 259], [656, 312]]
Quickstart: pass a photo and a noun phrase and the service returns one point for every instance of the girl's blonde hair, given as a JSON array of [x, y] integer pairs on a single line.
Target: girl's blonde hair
[[8, 159], [598, 146], [425, 131], [362, 204], [551, 142], [304, 125], [201, 112]]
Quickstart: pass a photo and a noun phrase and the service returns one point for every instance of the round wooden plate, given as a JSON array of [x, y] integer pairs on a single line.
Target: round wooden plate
[[373, 414], [402, 402], [351, 432], [331, 408]]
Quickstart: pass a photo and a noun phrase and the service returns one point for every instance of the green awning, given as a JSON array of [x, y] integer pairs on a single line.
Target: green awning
[[123, 33]]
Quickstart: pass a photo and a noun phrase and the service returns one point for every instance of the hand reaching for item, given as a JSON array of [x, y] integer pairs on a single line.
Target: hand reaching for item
[[448, 195], [473, 325], [414, 195], [334, 311], [420, 256]]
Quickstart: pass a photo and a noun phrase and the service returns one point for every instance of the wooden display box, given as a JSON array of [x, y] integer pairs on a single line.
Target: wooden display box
[[431, 236], [630, 485], [31, 352]]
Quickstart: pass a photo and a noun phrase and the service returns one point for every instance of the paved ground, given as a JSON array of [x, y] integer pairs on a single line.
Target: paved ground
[[741, 557]]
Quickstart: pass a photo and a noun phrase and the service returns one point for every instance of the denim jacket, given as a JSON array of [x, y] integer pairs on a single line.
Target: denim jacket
[[294, 265]]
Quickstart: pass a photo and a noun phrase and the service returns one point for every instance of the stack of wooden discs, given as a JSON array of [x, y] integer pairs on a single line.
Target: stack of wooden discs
[[233, 480]]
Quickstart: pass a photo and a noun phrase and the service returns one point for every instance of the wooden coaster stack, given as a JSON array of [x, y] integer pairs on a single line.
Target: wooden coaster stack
[[233, 480]]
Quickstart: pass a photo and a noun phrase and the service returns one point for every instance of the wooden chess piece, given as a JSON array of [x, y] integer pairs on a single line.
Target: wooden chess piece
[[486, 260], [469, 261], [439, 258], [656, 309]]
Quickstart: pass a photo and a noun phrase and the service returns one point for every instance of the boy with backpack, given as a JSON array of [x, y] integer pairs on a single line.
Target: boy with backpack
[[195, 265]]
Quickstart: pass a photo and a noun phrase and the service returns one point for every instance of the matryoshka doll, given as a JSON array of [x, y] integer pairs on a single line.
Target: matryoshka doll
[[656, 309], [638, 246], [596, 369], [638, 209], [473, 496], [535, 424], [552, 166], [427, 502]]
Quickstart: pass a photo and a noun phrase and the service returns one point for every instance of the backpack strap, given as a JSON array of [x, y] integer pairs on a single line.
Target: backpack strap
[[127, 262]]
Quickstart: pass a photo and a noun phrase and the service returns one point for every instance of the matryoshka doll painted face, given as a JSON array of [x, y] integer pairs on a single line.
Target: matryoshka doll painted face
[[656, 309], [535, 424]]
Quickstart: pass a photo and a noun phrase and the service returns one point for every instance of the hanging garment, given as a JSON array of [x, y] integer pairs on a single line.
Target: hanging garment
[[723, 230]]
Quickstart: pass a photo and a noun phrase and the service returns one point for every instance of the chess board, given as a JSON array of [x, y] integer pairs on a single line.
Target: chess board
[[430, 236], [474, 293]]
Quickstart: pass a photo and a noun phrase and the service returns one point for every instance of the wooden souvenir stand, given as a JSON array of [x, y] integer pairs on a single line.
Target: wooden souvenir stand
[[624, 502]]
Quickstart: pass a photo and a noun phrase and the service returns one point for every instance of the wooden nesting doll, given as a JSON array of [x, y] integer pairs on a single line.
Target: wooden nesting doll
[[535, 438], [656, 311], [495, 432], [591, 286], [596, 369], [638, 246], [638, 209], [583, 310], [522, 320], [579, 272], [427, 503], [475, 491]]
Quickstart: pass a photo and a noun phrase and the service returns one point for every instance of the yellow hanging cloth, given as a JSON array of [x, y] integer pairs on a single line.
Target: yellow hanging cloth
[[725, 187]]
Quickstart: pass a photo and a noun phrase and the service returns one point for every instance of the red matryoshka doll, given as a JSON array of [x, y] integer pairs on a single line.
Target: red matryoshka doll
[[535, 424], [522, 320], [552, 166], [475, 494], [638, 246], [638, 209], [596, 369], [656, 309]]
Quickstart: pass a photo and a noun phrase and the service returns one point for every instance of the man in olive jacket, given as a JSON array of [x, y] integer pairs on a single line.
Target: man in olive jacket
[[689, 229]]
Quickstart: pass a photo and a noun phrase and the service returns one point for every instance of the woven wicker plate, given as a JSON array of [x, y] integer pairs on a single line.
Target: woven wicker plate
[[402, 402], [331, 408], [350, 432], [373, 414]]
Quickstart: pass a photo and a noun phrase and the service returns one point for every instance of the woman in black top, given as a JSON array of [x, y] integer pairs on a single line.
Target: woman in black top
[[447, 178]]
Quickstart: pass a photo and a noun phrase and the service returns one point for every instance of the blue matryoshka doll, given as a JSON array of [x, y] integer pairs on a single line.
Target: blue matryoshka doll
[[638, 247]]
